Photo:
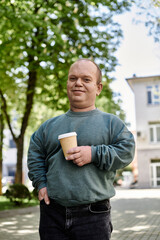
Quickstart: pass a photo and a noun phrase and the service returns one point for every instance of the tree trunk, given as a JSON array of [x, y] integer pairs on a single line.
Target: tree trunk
[[1, 149], [30, 92], [19, 166], [20, 140], [27, 110]]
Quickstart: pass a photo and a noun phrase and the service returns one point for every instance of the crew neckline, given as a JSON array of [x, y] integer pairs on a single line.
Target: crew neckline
[[82, 114]]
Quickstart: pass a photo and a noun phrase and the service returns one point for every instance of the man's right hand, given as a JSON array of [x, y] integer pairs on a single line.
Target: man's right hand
[[42, 194]]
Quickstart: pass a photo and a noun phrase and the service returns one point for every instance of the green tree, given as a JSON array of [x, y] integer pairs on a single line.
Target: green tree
[[151, 9], [107, 102], [38, 42]]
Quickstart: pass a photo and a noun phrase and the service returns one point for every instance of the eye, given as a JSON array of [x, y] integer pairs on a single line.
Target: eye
[[72, 78], [87, 80]]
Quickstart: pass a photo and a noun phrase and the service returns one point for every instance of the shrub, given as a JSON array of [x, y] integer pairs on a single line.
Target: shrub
[[35, 194], [17, 193]]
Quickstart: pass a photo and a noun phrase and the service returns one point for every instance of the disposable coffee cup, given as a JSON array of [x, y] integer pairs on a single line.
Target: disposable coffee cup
[[68, 141]]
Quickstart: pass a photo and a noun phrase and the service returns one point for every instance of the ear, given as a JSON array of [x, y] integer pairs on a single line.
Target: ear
[[99, 89]]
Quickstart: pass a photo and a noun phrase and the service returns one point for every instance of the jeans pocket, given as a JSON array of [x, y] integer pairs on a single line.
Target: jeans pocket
[[42, 202], [99, 208], [111, 227]]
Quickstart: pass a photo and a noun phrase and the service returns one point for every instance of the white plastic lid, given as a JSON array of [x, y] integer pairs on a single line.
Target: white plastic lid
[[70, 134]]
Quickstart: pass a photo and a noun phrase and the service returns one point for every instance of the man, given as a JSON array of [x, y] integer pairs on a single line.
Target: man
[[74, 192]]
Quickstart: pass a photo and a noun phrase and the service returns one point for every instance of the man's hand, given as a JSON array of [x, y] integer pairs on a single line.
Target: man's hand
[[42, 194], [80, 155]]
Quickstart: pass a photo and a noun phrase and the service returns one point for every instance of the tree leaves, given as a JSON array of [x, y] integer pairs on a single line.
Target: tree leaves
[[47, 36], [151, 10], [40, 39]]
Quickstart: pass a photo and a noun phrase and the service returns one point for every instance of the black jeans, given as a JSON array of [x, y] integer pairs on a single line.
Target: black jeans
[[86, 222]]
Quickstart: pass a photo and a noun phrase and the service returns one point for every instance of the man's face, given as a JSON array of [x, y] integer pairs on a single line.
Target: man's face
[[82, 86]]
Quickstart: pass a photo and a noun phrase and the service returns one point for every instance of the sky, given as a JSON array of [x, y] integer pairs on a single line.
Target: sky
[[138, 54]]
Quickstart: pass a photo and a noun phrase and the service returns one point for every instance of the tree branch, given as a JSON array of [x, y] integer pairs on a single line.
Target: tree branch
[[30, 89], [29, 100], [4, 108]]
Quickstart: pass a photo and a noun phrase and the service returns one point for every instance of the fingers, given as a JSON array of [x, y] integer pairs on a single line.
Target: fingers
[[73, 156], [79, 163], [76, 158], [46, 199], [80, 155], [73, 153], [42, 194], [74, 150]]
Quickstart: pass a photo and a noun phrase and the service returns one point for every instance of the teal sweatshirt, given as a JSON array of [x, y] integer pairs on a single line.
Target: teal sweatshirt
[[112, 147]]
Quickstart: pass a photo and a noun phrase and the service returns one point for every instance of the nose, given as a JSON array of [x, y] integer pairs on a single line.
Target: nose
[[79, 82]]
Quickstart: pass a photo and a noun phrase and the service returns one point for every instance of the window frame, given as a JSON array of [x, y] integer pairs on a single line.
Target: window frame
[[153, 177], [154, 128], [153, 95]]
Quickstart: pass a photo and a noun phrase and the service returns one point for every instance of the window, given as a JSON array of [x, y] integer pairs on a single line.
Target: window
[[12, 143], [155, 173], [153, 95], [154, 133]]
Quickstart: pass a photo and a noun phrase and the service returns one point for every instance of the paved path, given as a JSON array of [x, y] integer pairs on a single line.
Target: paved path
[[19, 224], [135, 215]]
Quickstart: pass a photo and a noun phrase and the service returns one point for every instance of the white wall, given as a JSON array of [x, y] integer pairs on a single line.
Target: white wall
[[145, 114]]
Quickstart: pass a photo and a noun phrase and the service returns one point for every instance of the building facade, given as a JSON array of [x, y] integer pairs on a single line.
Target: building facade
[[147, 107]]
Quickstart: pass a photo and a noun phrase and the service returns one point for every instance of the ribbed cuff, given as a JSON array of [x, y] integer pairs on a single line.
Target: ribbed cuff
[[41, 185], [94, 154]]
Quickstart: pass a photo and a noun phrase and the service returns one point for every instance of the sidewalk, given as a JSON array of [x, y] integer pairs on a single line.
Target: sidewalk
[[135, 215], [19, 224]]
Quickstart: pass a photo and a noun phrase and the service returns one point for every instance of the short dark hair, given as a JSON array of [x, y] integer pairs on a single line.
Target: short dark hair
[[99, 75]]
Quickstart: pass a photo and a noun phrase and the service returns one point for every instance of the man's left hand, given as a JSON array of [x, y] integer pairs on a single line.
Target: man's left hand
[[80, 155]]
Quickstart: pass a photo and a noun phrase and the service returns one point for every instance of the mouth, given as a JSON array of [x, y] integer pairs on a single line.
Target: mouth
[[78, 91]]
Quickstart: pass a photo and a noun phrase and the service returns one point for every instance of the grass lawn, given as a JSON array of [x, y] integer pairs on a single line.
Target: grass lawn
[[5, 204]]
